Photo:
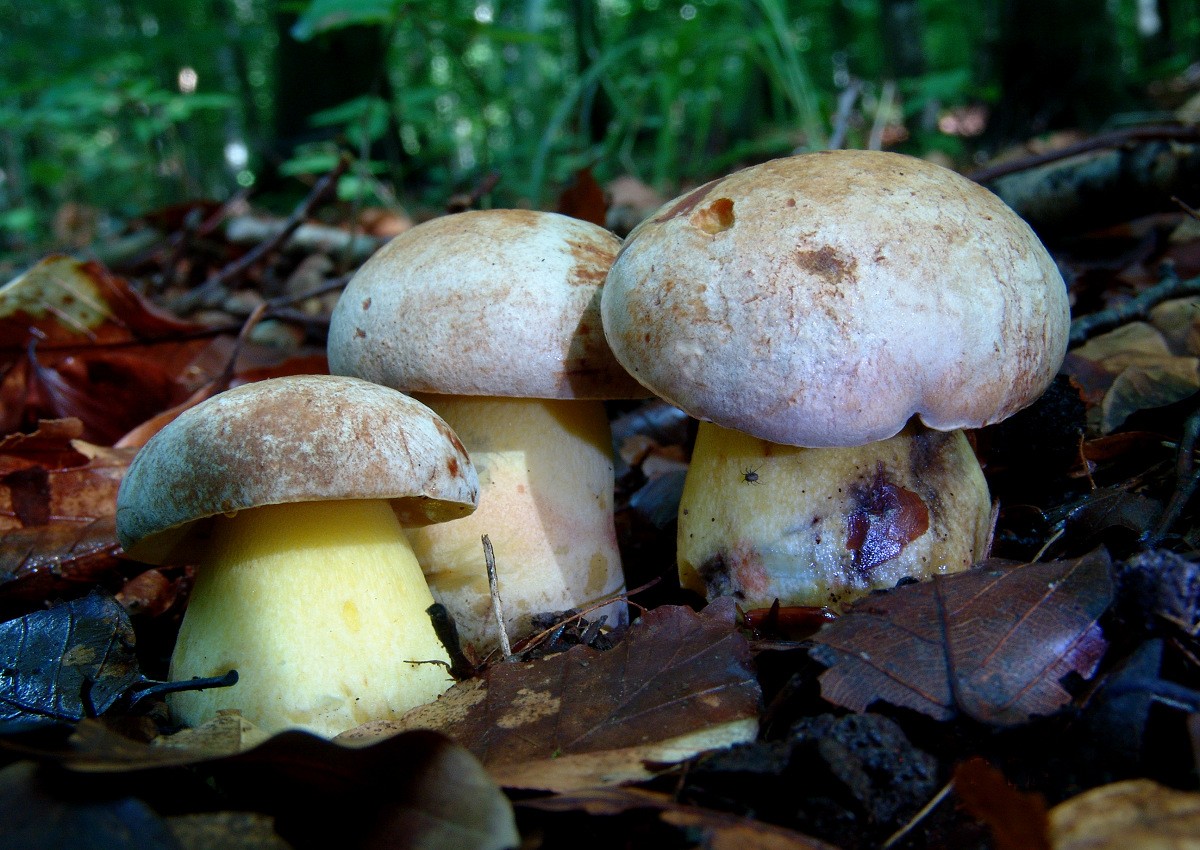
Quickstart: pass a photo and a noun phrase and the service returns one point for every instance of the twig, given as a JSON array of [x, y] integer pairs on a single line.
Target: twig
[[1187, 476], [212, 287], [447, 632], [841, 119], [489, 558], [919, 816], [1138, 307], [1115, 139], [886, 97]]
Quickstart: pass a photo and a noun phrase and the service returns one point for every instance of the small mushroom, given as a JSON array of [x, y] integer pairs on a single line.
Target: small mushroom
[[834, 319], [290, 493], [492, 319]]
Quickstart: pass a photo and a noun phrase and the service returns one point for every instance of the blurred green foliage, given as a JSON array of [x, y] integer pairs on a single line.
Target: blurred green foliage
[[123, 105]]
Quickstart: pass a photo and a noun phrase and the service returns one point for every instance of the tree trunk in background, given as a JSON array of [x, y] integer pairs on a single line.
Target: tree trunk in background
[[596, 109], [903, 28], [1058, 67], [330, 69]]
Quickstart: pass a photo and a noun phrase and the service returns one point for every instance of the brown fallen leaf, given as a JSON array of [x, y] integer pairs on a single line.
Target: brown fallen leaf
[[710, 829], [584, 198], [1132, 368], [418, 790], [1137, 813], [76, 340], [58, 497], [678, 684], [992, 642], [52, 478], [1017, 820]]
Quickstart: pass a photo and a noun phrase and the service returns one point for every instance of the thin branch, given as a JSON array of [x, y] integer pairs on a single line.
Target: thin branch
[[215, 284], [1115, 139], [1138, 307], [489, 558]]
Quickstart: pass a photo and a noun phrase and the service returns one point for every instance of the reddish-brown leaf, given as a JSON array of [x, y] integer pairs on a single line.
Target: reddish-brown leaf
[[1018, 821], [58, 497], [679, 683], [584, 198], [993, 642], [78, 341], [51, 478]]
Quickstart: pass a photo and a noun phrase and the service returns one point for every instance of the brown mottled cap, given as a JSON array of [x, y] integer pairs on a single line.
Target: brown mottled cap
[[488, 303], [296, 439], [825, 299]]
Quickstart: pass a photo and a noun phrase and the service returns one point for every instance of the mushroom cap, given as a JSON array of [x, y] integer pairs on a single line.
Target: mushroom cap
[[296, 439], [825, 299], [484, 303]]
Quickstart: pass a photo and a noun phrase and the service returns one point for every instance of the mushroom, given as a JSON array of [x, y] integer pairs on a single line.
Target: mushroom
[[835, 319], [492, 319], [291, 492]]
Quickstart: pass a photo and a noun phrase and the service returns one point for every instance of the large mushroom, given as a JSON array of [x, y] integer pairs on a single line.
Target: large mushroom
[[835, 319], [492, 319], [291, 492]]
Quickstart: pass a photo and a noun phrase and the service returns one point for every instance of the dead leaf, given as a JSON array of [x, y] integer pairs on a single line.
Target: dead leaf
[[48, 561], [418, 790], [1162, 586], [58, 498], [716, 830], [1139, 370], [1017, 820], [61, 324], [69, 662], [584, 199], [1145, 387], [992, 642], [678, 684], [51, 478], [1137, 813]]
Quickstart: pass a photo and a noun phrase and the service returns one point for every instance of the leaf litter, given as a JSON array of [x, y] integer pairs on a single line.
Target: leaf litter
[[1105, 459]]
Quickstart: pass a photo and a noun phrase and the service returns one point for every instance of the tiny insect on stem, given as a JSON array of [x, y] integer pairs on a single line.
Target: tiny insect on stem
[[750, 476]]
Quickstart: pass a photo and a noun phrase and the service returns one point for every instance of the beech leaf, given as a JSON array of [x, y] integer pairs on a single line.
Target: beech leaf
[[679, 683], [61, 324], [65, 663], [993, 642]]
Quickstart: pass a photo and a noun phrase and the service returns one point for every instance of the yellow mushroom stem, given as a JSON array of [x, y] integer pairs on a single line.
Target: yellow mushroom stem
[[321, 608], [545, 502], [761, 521]]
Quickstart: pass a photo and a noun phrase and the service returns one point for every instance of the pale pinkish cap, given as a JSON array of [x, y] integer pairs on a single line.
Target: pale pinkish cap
[[484, 303], [303, 438], [827, 298]]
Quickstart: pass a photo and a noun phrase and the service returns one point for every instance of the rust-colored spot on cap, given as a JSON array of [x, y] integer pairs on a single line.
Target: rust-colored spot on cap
[[715, 218]]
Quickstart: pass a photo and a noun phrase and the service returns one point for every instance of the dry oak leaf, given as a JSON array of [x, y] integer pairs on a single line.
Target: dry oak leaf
[[678, 684], [717, 830], [993, 642], [1136, 813]]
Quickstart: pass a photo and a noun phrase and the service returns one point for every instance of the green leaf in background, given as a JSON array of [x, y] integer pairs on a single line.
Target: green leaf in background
[[325, 15]]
